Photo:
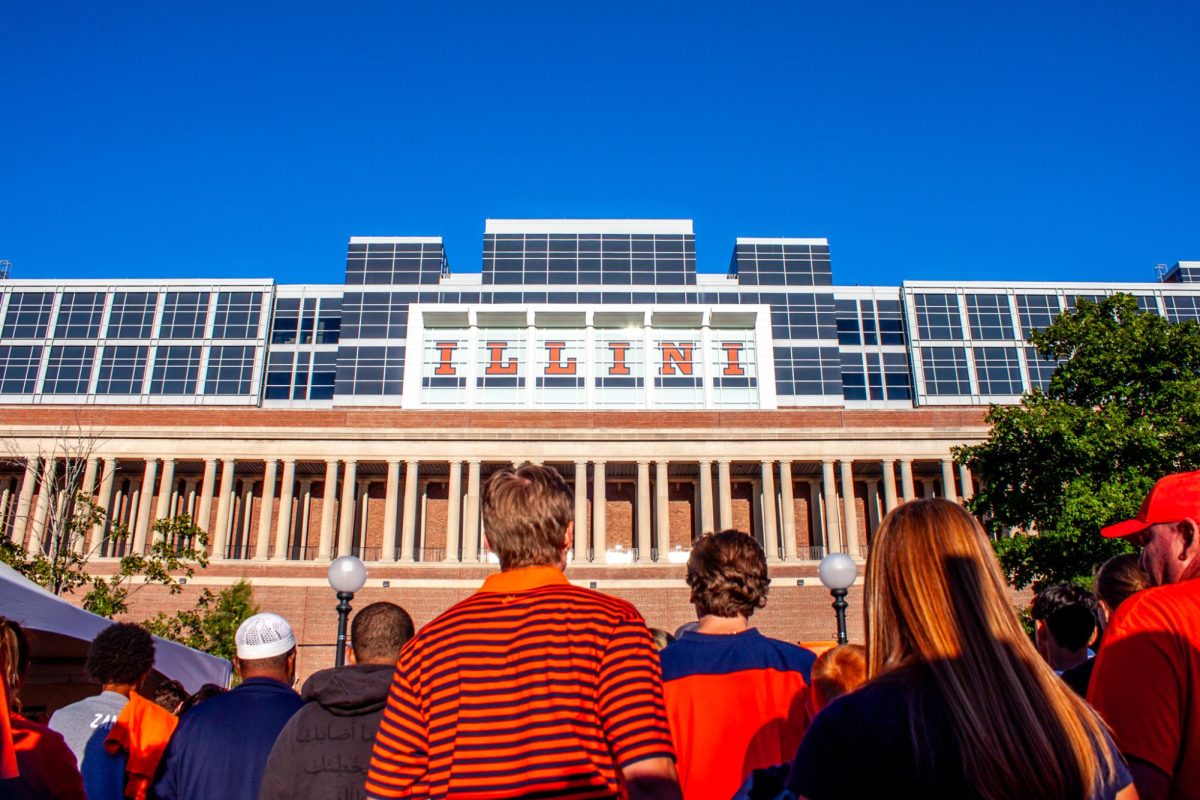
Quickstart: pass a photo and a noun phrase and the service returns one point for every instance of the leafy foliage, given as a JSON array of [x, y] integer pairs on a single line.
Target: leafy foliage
[[60, 563], [1121, 410], [179, 546], [212, 625]]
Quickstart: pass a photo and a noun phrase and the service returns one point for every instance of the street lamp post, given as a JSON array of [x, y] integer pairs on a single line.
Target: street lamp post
[[838, 572], [347, 574]]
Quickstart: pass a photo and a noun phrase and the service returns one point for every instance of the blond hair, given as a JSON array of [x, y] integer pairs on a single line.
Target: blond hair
[[936, 599]]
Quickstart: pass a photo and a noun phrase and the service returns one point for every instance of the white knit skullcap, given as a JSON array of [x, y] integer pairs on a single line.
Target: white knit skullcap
[[263, 636]]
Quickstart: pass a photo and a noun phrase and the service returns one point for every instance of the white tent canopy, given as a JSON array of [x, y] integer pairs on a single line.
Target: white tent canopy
[[36, 609]]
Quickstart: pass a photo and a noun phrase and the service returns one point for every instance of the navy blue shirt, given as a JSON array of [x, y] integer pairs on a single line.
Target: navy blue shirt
[[221, 746]]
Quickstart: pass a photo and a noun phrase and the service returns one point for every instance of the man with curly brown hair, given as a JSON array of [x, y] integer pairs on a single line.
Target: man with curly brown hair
[[119, 659], [736, 700]]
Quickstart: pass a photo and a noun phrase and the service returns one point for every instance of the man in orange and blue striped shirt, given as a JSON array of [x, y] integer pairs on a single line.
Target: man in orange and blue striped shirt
[[531, 687]]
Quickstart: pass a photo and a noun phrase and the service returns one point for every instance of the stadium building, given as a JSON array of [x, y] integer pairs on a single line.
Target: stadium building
[[300, 422]]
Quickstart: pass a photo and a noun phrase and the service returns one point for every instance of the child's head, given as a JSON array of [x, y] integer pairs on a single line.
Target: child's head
[[838, 671]]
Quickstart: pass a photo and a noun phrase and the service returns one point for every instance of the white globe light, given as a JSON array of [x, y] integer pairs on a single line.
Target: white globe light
[[837, 571], [347, 574]]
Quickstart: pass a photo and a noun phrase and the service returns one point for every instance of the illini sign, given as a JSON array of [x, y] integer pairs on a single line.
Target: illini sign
[[570, 368], [674, 358]]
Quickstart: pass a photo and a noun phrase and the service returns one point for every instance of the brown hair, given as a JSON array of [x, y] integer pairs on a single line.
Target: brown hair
[[727, 572], [838, 671], [1120, 578], [14, 659], [936, 599], [379, 631], [526, 512]]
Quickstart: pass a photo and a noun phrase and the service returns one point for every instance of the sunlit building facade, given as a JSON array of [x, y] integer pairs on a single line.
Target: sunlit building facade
[[296, 423]]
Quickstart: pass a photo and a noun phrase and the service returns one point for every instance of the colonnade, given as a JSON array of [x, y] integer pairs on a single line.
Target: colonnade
[[626, 511]]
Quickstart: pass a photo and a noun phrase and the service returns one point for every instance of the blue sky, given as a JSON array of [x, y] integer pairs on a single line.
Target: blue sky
[[926, 140]]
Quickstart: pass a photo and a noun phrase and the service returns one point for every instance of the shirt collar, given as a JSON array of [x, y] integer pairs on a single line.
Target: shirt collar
[[523, 579]]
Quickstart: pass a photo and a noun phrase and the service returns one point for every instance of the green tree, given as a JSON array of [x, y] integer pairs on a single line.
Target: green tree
[[178, 548], [212, 625], [1122, 409]]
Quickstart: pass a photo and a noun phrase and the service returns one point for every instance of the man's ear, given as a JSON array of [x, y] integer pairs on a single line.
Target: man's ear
[[1189, 537]]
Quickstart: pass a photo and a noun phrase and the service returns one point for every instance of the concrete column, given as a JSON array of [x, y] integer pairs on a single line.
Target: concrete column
[[643, 510], [221, 535], [816, 517], [263, 544], [770, 524], [832, 528], [787, 510], [706, 498], [166, 490], [926, 489], [906, 480], [872, 507], [189, 491], [662, 508], [472, 541], [968, 484], [581, 529], [948, 488], [142, 529], [409, 529], [246, 506], [850, 511], [599, 512], [725, 513], [391, 503], [41, 509], [305, 517], [88, 484], [103, 499], [283, 524], [347, 507], [889, 484], [364, 516], [453, 511], [204, 513], [25, 499], [328, 511], [5, 502]]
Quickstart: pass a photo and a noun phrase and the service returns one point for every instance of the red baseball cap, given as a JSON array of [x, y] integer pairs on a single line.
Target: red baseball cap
[[1173, 498]]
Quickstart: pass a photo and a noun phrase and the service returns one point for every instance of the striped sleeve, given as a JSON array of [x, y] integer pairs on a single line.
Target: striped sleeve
[[630, 696], [400, 759]]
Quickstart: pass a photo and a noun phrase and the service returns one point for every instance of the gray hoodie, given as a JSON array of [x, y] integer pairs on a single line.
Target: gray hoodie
[[325, 748]]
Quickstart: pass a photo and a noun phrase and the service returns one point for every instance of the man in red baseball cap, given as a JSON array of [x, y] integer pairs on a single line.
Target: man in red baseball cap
[[1147, 677]]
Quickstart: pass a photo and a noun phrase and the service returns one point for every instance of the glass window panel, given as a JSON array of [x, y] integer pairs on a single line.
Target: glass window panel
[[946, 371], [79, 315], [69, 370], [131, 315], [237, 315], [998, 370], [938, 316], [27, 316], [122, 370], [175, 370], [990, 316], [19, 368], [184, 316], [229, 370], [1036, 311]]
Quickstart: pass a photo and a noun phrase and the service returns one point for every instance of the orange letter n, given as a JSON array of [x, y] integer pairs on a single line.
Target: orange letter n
[[676, 356]]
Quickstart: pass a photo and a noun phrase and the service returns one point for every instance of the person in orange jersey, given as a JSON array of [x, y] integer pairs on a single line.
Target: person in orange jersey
[[1146, 681], [736, 700], [40, 765], [531, 687]]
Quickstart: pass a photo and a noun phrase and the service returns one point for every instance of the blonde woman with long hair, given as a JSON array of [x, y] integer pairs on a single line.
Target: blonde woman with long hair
[[958, 702]]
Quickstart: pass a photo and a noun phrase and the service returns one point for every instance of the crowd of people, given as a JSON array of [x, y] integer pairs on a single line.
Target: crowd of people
[[534, 687]]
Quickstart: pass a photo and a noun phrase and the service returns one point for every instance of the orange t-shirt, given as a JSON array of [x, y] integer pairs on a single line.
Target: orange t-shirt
[[1146, 684]]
